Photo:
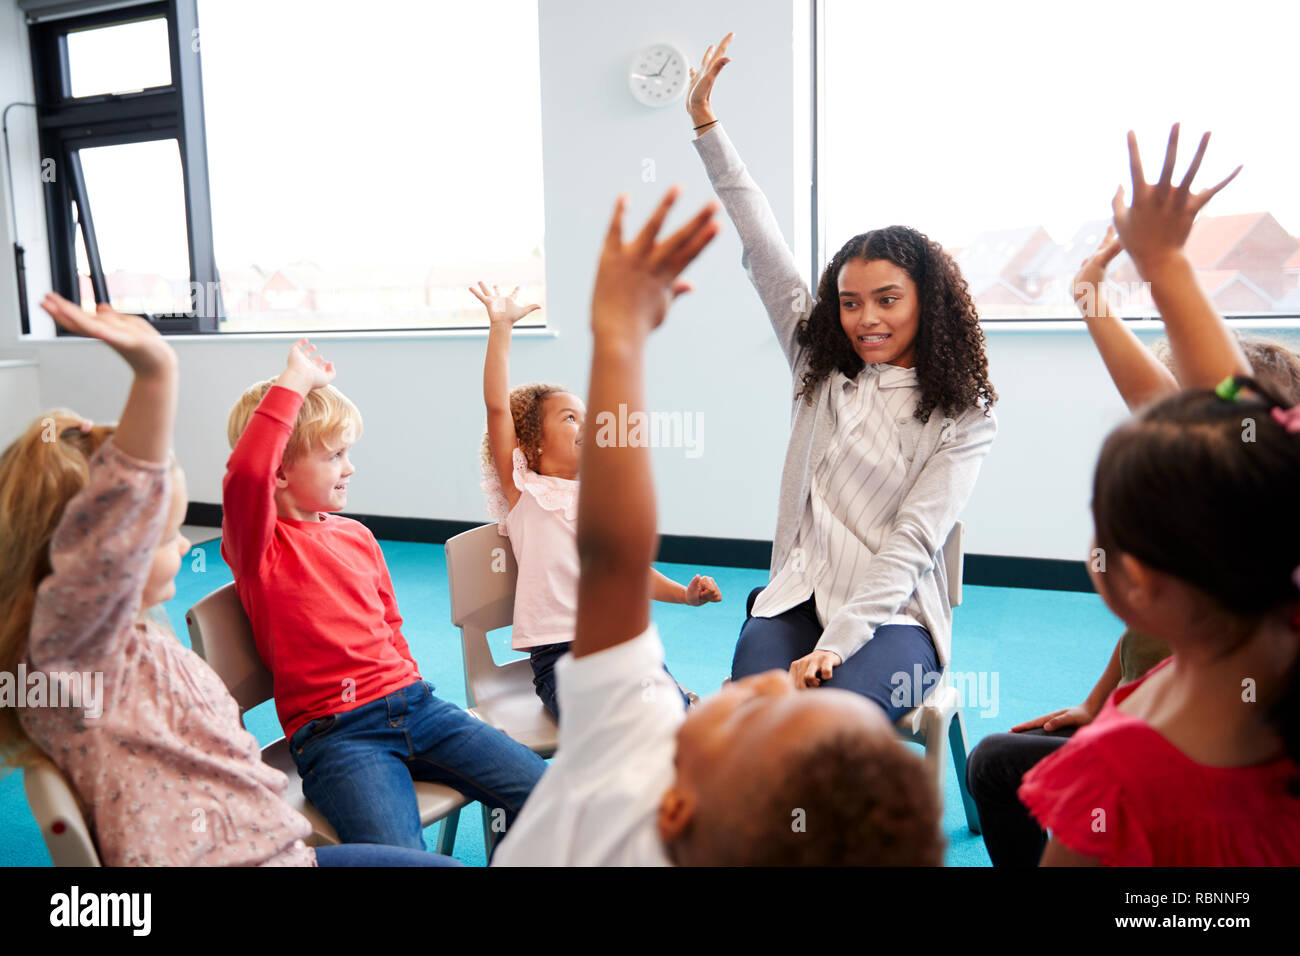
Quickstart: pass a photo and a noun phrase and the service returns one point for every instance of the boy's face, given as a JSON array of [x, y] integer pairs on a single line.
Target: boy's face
[[745, 731], [316, 481]]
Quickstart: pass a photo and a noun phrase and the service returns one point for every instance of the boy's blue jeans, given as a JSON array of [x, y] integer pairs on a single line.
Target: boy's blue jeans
[[357, 767]]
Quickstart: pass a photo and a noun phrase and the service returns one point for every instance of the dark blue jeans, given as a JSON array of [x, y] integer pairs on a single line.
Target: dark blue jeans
[[372, 854], [777, 642], [543, 660], [357, 767]]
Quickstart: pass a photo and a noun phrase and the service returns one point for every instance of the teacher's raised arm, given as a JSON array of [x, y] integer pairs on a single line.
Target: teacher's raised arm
[[766, 255]]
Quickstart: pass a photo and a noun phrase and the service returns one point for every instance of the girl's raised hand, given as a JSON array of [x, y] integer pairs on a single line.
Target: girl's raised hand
[[636, 281], [130, 336], [307, 367], [502, 309], [1087, 283], [701, 88], [1161, 215]]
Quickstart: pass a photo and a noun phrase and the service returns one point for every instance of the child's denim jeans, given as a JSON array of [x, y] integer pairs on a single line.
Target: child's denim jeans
[[357, 767]]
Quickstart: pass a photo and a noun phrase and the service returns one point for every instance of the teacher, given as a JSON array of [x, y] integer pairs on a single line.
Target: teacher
[[892, 417]]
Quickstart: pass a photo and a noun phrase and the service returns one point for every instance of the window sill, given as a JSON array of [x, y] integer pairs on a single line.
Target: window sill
[[407, 335], [1137, 325]]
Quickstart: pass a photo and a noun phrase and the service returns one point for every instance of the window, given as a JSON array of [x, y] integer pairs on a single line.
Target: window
[[363, 170], [125, 58], [998, 129], [124, 166]]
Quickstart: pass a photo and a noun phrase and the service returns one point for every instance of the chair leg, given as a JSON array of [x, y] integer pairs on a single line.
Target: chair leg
[[447, 832], [957, 740], [936, 742], [490, 833]]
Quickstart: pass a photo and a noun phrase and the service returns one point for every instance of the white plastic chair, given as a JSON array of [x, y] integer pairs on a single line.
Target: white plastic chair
[[221, 635], [58, 813], [481, 574], [937, 724]]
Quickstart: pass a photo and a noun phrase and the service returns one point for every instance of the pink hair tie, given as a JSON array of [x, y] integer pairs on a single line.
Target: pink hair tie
[[1288, 418]]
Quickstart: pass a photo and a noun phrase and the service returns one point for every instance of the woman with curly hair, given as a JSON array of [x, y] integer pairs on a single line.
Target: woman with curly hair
[[530, 457], [892, 419]]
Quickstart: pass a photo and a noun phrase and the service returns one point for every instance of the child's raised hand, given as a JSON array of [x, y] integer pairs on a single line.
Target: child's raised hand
[[1087, 283], [502, 309], [636, 281], [130, 336], [701, 82], [307, 370], [1157, 223], [702, 590]]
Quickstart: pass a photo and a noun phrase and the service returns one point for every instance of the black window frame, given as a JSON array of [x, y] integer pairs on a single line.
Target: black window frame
[[67, 124]]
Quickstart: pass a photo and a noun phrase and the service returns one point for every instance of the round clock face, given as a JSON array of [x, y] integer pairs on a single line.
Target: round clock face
[[658, 75]]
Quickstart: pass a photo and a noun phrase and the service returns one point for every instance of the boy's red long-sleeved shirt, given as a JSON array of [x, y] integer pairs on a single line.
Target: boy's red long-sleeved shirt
[[317, 593]]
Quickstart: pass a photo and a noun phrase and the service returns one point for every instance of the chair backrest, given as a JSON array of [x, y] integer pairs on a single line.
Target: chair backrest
[[58, 813], [953, 563], [221, 635], [481, 573]]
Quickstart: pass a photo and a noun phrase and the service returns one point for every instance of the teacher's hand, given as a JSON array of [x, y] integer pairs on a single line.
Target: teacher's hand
[[818, 666]]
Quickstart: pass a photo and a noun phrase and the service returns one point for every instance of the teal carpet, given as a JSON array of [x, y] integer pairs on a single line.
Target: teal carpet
[[1036, 651]]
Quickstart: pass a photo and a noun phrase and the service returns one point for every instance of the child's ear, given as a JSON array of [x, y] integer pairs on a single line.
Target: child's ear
[[1140, 583], [675, 812], [280, 480]]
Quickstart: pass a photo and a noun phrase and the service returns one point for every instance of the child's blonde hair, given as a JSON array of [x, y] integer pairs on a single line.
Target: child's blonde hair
[[326, 414], [40, 472], [526, 402]]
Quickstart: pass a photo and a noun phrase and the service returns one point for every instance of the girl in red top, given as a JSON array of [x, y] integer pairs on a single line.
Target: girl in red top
[[1198, 527], [1194, 764]]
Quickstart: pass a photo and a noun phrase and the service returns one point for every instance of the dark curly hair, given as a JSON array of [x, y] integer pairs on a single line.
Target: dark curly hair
[[852, 799], [951, 367], [526, 403]]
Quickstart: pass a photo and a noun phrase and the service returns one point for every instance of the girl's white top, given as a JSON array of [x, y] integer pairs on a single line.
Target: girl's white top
[[543, 532]]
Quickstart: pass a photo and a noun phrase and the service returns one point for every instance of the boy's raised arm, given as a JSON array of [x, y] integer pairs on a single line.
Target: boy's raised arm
[[617, 537], [248, 488]]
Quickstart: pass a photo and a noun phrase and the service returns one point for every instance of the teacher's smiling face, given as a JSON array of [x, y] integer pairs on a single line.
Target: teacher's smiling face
[[879, 310]]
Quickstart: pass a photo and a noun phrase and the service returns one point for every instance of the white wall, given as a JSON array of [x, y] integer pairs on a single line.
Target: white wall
[[421, 396]]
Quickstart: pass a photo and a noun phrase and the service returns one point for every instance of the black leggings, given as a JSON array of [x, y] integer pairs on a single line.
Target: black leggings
[[994, 770]]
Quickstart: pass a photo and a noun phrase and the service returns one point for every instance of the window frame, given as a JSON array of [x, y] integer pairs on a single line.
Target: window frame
[[67, 124]]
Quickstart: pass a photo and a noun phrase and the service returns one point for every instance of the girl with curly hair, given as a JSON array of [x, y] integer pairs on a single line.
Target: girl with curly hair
[[892, 418], [530, 458]]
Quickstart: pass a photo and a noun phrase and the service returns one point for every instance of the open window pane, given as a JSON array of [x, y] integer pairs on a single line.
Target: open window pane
[[366, 169], [85, 287], [998, 129], [137, 199], [120, 58]]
